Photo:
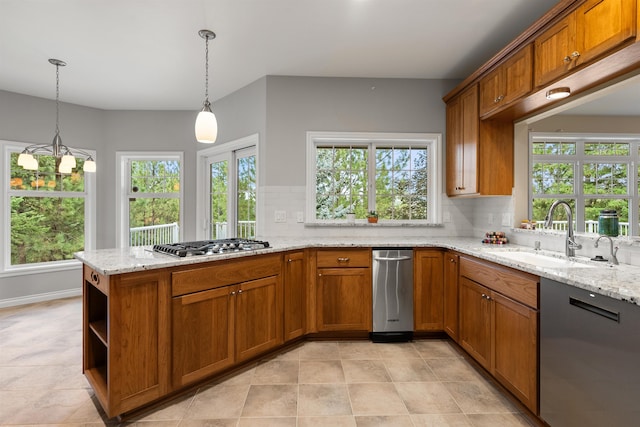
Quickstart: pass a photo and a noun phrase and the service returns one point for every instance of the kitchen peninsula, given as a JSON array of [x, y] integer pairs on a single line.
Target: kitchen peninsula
[[156, 324]]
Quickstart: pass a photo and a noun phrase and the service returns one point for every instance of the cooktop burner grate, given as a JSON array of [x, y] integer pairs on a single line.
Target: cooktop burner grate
[[210, 247]]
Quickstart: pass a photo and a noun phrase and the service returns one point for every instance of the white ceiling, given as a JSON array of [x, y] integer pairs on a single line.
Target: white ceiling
[[146, 54]]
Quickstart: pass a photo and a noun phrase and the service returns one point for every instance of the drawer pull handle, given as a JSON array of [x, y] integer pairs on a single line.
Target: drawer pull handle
[[612, 315], [343, 259]]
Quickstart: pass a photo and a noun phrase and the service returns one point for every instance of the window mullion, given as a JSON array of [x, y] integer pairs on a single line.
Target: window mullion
[[371, 177]]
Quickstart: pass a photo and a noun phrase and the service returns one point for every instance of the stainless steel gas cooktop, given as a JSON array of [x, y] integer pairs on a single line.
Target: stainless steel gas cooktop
[[210, 247]]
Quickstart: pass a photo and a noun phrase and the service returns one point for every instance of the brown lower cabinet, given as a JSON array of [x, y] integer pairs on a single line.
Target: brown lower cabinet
[[151, 333], [498, 324]]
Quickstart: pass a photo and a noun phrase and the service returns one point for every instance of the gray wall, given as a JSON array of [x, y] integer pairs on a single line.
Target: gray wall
[[279, 109]]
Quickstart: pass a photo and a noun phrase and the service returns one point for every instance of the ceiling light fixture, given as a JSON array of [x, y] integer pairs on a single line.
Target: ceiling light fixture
[[66, 154], [206, 123], [558, 93]]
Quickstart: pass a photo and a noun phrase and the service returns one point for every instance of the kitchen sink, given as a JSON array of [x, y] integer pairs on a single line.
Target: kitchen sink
[[540, 260]]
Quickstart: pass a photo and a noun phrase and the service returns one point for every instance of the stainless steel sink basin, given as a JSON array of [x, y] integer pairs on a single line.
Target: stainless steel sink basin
[[540, 260]]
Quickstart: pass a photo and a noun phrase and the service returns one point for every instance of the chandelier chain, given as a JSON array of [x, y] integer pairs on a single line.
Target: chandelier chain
[[57, 97], [206, 69]]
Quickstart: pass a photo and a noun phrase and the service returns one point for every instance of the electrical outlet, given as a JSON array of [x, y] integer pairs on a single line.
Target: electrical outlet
[[299, 216], [280, 216]]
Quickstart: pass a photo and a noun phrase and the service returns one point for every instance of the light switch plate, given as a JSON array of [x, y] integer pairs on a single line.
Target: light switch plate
[[299, 216]]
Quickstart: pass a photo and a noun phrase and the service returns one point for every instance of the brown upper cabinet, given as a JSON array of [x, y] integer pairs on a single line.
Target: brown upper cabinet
[[509, 81], [592, 30], [462, 143]]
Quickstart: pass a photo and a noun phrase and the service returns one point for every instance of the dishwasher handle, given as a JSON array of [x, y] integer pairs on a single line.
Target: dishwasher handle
[[612, 315], [401, 258]]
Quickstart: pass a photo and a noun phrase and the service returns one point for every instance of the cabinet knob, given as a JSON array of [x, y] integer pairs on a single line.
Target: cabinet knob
[[566, 59], [498, 99], [319, 274], [289, 260], [233, 292], [575, 54], [239, 291], [453, 260]]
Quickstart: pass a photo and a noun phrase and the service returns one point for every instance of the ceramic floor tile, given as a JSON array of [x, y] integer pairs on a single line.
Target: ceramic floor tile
[[341, 421], [453, 369], [308, 384], [427, 398], [375, 399], [218, 401], [276, 372], [409, 370], [365, 371], [271, 401], [384, 420], [475, 397], [442, 420], [321, 371], [323, 400]]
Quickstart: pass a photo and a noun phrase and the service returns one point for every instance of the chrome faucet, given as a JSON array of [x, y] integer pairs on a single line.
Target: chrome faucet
[[570, 242], [614, 250]]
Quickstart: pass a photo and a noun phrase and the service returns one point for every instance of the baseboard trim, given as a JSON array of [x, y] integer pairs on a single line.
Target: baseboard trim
[[47, 296]]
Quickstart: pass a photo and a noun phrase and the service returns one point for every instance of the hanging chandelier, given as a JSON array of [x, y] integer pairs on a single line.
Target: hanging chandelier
[[56, 149], [206, 123]]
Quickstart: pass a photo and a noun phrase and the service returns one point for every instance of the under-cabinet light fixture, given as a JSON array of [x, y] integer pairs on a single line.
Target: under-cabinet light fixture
[[558, 93]]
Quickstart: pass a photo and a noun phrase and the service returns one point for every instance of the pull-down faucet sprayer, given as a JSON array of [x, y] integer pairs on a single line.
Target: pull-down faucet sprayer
[[570, 242]]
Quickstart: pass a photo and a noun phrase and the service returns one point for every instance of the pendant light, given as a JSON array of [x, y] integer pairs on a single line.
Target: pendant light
[[206, 123], [66, 154]]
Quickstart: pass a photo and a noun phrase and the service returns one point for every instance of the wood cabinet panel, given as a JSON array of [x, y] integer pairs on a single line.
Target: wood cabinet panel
[[508, 82], [203, 341], [258, 322], [518, 285], [553, 51], [475, 321], [462, 143], [428, 290], [223, 273], [515, 355], [294, 295], [451, 263], [343, 258], [344, 299]]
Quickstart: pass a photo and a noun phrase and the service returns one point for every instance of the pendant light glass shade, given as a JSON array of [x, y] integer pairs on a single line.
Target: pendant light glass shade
[[206, 125], [206, 122]]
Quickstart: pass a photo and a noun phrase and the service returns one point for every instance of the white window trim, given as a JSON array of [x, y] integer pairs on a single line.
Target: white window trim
[[202, 182], [579, 158], [6, 269], [433, 140], [122, 211]]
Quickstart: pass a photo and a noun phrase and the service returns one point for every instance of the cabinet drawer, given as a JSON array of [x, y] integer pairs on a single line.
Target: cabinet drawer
[[96, 279], [223, 273], [344, 258], [517, 285]]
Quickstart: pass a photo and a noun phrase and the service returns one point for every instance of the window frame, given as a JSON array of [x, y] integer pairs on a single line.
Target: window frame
[[89, 194], [224, 151], [123, 179], [578, 160], [433, 142]]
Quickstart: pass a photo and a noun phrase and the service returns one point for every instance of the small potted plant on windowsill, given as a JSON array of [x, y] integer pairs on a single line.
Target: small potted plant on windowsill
[[372, 217]]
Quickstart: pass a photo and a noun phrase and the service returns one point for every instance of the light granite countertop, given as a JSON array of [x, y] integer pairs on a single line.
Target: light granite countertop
[[621, 282]]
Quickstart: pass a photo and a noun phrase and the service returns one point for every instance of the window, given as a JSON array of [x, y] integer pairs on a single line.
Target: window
[[228, 183], [47, 215], [150, 202], [592, 172], [396, 175]]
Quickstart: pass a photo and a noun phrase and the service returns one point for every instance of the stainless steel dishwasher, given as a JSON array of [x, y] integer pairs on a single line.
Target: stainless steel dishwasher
[[589, 358], [392, 294]]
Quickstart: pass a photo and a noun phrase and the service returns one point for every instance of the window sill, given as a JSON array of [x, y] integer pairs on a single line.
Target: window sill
[[42, 268], [379, 224]]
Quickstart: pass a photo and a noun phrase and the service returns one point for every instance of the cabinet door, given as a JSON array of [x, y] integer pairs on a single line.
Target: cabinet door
[[138, 335], [491, 91], [258, 320], [462, 143], [517, 75], [451, 269], [294, 295], [202, 334], [553, 50], [603, 25], [428, 289], [475, 321], [515, 355], [344, 299]]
